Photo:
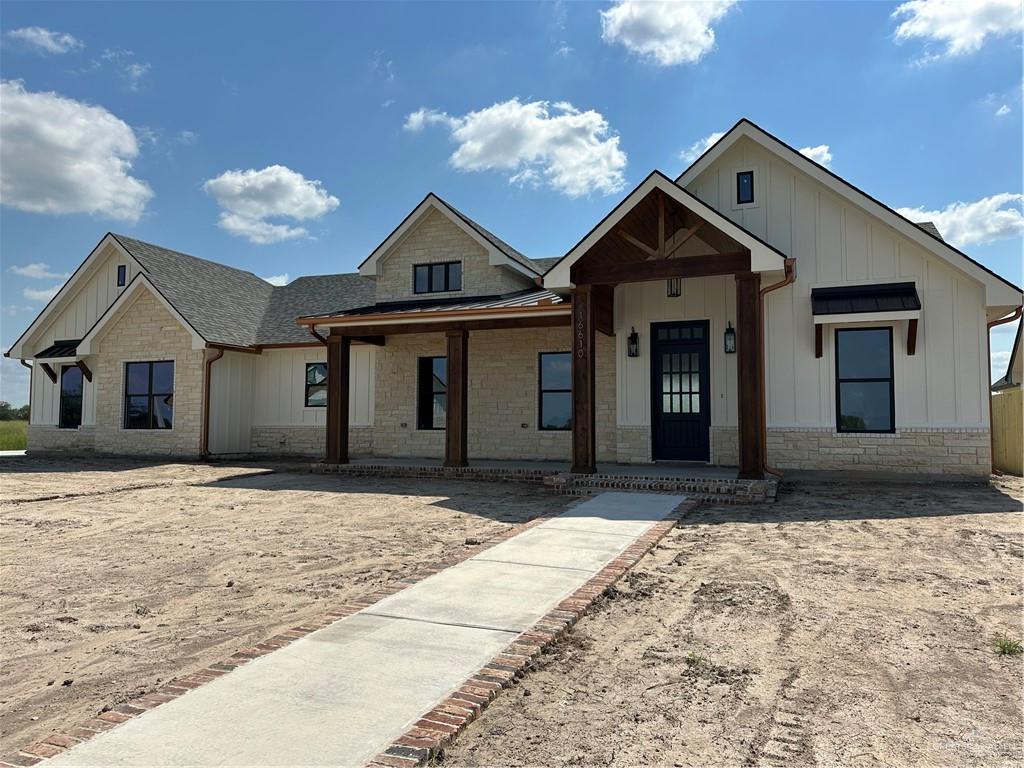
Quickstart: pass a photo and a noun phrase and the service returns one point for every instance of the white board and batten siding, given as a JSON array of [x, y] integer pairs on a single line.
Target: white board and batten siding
[[94, 292], [835, 242], [269, 390]]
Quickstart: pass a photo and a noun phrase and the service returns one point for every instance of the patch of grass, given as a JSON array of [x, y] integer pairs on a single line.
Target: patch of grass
[[13, 435], [694, 660], [1006, 646]]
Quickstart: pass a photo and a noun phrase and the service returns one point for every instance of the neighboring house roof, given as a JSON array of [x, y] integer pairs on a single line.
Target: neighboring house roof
[[1008, 380], [543, 265], [1000, 292], [225, 305]]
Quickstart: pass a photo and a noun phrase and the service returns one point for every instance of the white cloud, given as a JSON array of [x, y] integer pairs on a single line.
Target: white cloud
[[46, 40], [44, 294], [187, 137], [573, 152], [131, 71], [564, 51], [249, 198], [699, 147], [665, 33], [960, 25], [12, 310], [820, 154], [277, 279], [58, 155], [1003, 111], [39, 271], [997, 217]]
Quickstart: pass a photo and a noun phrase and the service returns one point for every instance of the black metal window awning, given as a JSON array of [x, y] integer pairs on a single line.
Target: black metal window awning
[[59, 349], [856, 299]]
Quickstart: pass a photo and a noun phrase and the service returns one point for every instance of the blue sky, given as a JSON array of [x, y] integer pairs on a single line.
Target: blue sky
[[291, 138]]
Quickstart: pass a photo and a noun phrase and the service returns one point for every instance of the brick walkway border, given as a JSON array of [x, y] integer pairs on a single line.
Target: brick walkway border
[[436, 728], [439, 727]]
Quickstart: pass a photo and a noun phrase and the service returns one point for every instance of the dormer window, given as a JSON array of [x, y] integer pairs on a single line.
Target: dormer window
[[744, 187], [437, 278], [122, 275]]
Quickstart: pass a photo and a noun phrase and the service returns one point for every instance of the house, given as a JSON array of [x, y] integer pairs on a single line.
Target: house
[[1008, 415], [756, 312]]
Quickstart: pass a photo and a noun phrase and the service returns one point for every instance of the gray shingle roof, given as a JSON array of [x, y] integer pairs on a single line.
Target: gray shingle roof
[[316, 295], [235, 307], [930, 228], [225, 305], [496, 241]]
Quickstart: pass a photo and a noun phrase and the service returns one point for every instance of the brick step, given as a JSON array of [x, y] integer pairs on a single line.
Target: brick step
[[699, 489]]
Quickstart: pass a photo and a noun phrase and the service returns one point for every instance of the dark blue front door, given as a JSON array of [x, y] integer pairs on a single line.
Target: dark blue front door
[[680, 397]]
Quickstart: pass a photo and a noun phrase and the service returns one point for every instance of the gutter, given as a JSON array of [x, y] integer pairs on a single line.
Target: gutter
[[988, 349], [204, 440], [313, 331], [789, 279]]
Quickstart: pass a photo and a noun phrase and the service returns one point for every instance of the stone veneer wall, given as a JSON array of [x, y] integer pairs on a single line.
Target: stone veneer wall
[[436, 238], [144, 331], [503, 396], [919, 450], [307, 441]]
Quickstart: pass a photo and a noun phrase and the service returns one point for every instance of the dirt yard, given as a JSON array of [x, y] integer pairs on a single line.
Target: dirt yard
[[842, 626], [117, 576]]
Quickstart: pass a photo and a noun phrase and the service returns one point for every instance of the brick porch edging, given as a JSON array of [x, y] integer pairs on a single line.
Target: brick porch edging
[[439, 727], [436, 728], [58, 742]]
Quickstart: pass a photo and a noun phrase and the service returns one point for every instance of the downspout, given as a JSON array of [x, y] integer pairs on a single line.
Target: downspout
[[204, 447], [789, 279], [312, 330], [988, 349]]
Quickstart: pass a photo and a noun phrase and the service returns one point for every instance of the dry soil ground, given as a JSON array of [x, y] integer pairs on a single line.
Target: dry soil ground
[[841, 626], [115, 576]]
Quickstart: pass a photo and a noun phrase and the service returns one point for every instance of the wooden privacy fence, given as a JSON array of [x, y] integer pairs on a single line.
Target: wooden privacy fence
[[1008, 431]]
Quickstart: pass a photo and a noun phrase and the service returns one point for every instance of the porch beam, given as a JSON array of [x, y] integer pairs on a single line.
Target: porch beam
[[584, 442], [338, 364], [456, 418], [912, 336], [677, 240], [662, 269], [749, 353], [50, 373], [442, 326], [652, 253], [819, 341], [604, 309]]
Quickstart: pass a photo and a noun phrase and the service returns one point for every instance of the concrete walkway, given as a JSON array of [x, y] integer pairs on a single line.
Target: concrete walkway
[[342, 694]]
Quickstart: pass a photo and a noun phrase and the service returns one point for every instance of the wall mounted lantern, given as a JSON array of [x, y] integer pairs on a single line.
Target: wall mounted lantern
[[633, 343], [730, 340], [674, 287]]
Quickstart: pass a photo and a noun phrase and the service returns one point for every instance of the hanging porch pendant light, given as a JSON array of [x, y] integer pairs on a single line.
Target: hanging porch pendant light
[[674, 287]]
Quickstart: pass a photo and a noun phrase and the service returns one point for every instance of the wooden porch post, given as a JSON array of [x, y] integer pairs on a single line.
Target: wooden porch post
[[749, 350], [456, 418], [584, 443], [338, 363]]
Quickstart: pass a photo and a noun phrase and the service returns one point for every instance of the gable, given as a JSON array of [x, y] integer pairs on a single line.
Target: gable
[[714, 172], [86, 295], [436, 235]]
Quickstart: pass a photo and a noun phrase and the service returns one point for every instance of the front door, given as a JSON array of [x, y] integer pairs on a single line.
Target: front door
[[680, 397]]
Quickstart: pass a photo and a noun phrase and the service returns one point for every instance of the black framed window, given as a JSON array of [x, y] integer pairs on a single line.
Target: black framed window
[[555, 371], [122, 275], [149, 395], [316, 385], [437, 278], [431, 392], [744, 187], [71, 397], [865, 397]]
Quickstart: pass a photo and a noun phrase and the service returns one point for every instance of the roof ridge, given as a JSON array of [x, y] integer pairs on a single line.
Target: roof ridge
[[119, 237]]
